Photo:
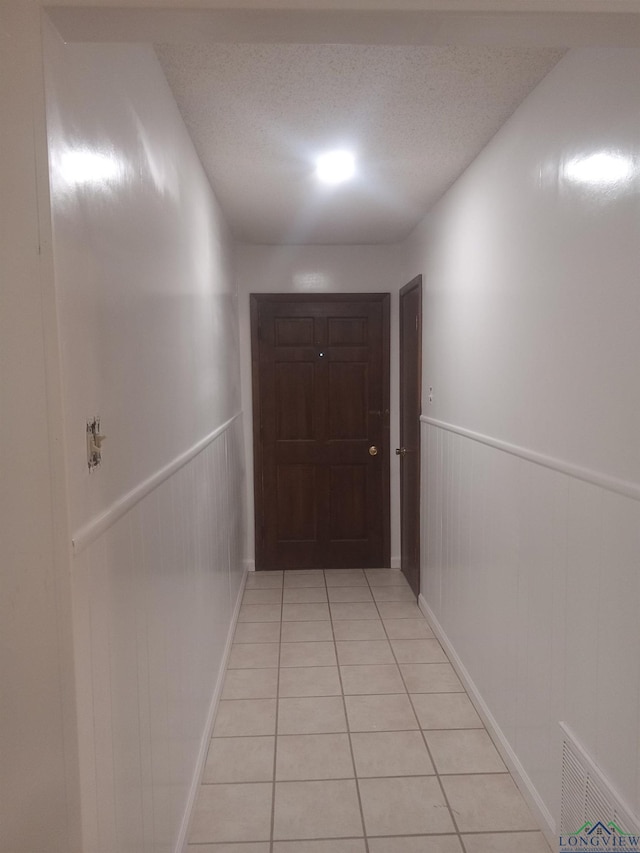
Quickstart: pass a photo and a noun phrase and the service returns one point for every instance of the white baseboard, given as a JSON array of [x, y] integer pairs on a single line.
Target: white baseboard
[[522, 780], [250, 564], [183, 835]]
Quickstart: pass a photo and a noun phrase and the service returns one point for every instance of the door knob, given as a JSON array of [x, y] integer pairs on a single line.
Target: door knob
[[401, 451], [373, 450]]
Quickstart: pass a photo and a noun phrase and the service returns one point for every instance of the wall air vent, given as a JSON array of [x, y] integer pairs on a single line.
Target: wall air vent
[[587, 796]]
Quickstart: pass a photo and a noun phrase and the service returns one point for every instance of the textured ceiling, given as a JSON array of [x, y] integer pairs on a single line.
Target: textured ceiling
[[415, 116]]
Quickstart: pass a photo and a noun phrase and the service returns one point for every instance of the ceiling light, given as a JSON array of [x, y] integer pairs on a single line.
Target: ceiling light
[[335, 167], [604, 169]]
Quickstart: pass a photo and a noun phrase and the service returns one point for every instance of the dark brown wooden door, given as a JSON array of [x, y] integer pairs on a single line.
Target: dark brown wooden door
[[410, 410], [321, 430]]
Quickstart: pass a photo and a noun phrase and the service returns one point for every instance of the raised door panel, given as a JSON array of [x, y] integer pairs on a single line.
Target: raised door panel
[[348, 331], [348, 401], [348, 503], [293, 331], [296, 504], [294, 401]]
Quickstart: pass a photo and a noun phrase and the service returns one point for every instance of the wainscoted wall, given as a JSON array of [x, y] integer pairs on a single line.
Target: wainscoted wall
[[148, 328], [533, 576], [531, 480], [155, 594]]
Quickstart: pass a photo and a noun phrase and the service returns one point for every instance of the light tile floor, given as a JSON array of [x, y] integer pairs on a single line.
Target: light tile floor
[[343, 728]]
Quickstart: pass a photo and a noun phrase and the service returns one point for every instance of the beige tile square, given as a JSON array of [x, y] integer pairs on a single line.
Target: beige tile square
[[250, 847], [304, 594], [359, 629], [304, 577], [487, 803], [412, 805], [264, 580], [354, 610], [386, 577], [316, 809], [311, 716], [349, 593], [250, 684], [314, 757], [372, 678], [380, 713], [445, 711], [316, 612], [418, 651], [399, 610], [507, 842], [245, 717], [394, 593], [390, 754], [240, 759], [254, 655], [307, 654], [345, 577], [416, 844], [343, 845], [232, 813], [464, 751], [408, 629], [262, 596], [431, 678], [310, 681], [364, 652], [260, 613], [305, 632], [257, 632]]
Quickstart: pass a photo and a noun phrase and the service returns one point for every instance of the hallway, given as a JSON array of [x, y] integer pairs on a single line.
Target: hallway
[[334, 677], [125, 298]]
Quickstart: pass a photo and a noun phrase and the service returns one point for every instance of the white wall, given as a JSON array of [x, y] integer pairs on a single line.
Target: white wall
[[531, 528], [318, 269], [148, 325]]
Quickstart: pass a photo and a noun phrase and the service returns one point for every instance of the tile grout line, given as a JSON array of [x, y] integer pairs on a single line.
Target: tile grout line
[[345, 778], [355, 777], [275, 734], [332, 838], [348, 725], [421, 730], [384, 628]]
